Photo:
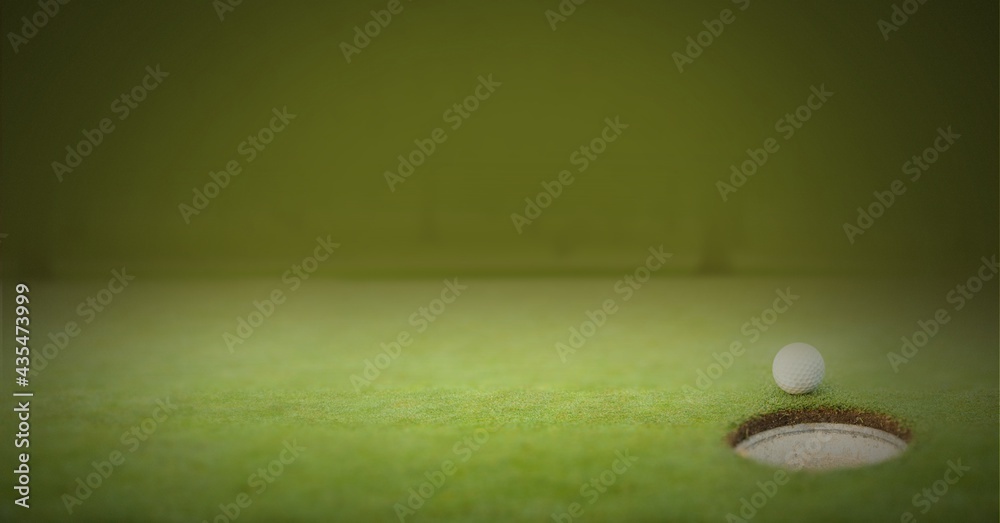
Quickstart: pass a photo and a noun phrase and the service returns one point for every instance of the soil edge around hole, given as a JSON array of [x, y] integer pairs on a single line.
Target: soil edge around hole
[[848, 416]]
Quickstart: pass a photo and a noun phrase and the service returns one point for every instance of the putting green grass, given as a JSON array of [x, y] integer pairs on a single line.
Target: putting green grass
[[484, 388]]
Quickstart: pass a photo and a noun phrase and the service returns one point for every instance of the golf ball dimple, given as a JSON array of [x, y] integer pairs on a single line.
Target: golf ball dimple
[[798, 368]]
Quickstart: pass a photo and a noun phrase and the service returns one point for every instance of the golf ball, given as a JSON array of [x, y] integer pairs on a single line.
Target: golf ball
[[798, 368]]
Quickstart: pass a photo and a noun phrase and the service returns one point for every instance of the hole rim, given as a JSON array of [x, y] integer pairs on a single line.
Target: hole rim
[[820, 414]]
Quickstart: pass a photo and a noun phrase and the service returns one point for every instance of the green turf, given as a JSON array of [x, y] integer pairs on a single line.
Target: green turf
[[488, 362]]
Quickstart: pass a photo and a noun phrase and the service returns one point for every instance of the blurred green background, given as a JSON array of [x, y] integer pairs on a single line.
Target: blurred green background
[[325, 173], [492, 358]]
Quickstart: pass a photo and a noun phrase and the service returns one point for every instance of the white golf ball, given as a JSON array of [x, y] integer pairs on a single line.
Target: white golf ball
[[798, 368]]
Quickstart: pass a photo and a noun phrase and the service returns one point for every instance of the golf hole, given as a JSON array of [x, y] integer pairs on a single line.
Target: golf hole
[[820, 439]]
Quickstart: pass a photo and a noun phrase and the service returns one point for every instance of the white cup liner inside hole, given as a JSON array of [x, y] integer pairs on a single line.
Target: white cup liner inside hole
[[821, 446]]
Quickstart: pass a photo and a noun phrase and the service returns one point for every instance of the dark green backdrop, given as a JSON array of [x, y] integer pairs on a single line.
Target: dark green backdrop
[[324, 174]]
